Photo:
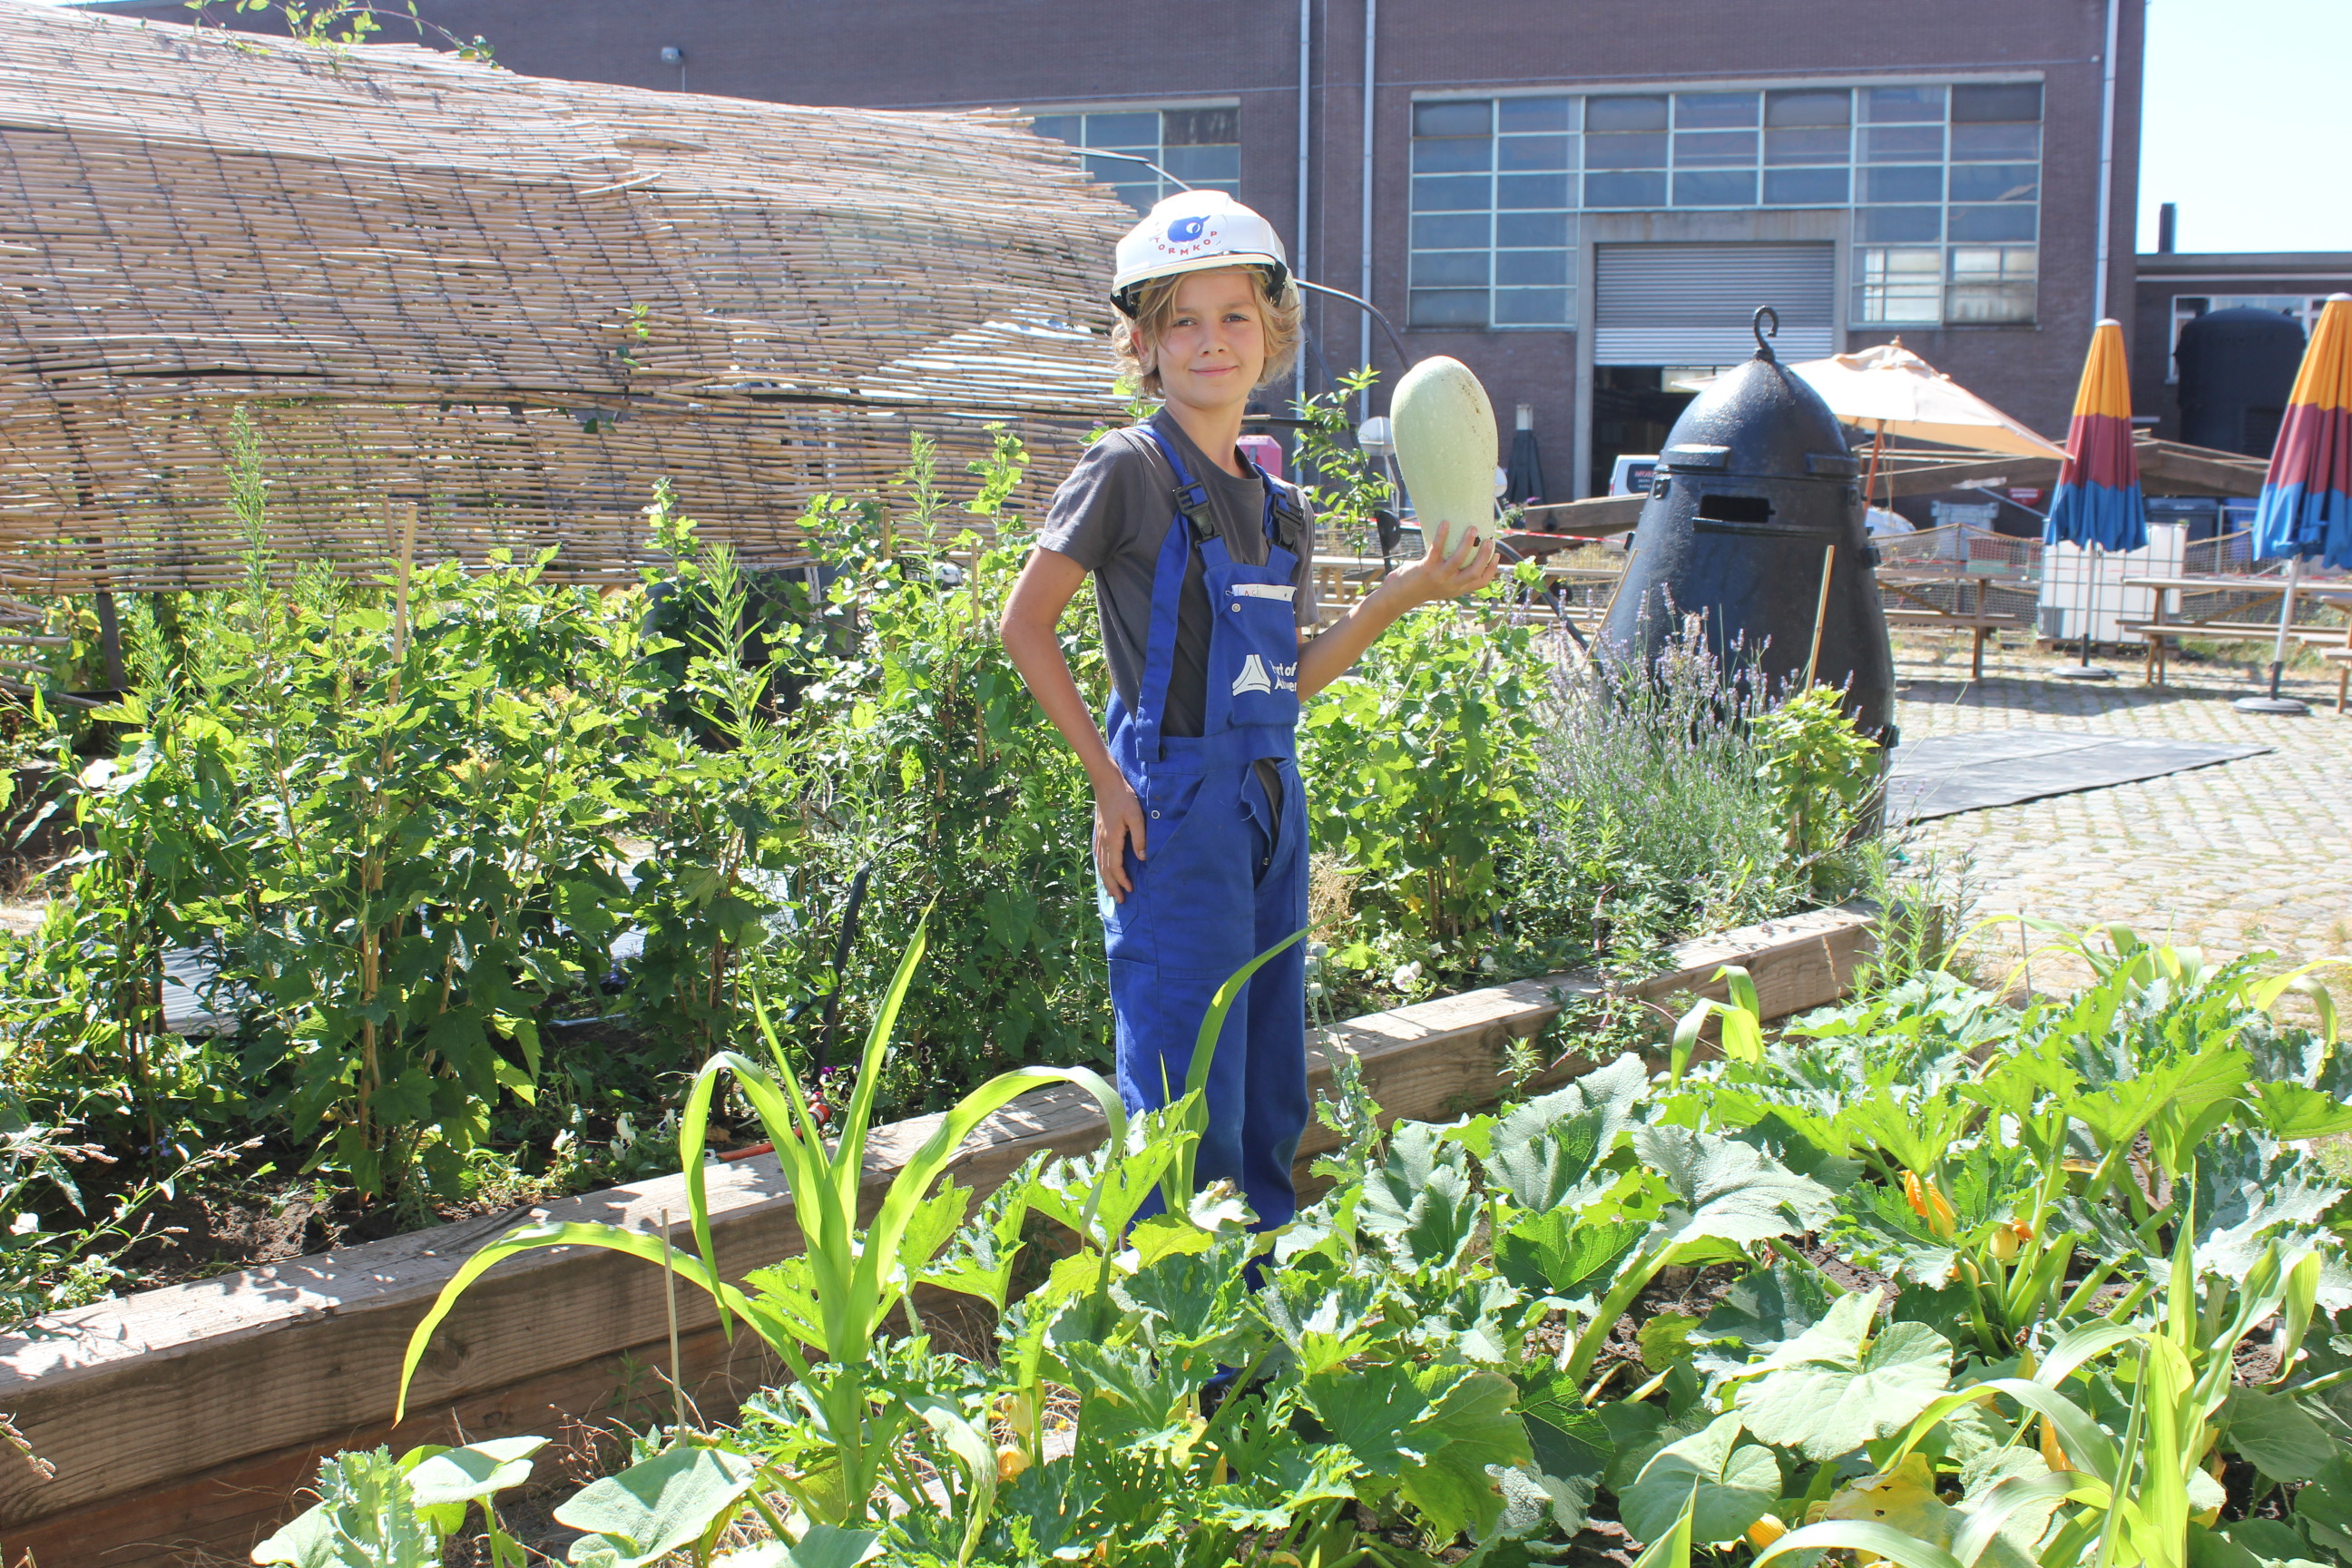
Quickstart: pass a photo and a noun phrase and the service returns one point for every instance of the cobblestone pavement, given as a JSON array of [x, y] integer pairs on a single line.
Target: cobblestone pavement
[[2238, 858]]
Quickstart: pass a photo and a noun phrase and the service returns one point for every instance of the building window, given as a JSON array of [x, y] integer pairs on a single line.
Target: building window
[[1901, 287], [1948, 213], [1201, 147], [1494, 238], [1943, 182]]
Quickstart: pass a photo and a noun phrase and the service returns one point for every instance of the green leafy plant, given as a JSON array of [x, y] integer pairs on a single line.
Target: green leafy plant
[[832, 1299], [376, 1511], [1821, 771], [1417, 762]]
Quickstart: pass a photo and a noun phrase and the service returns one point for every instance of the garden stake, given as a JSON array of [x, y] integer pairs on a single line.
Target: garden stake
[[1821, 614], [669, 1301], [400, 587]]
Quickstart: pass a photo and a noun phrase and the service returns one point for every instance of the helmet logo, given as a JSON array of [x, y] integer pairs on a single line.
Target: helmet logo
[[1185, 230]]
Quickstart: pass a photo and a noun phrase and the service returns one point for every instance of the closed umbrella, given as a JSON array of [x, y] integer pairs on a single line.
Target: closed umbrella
[[2097, 504], [2305, 510]]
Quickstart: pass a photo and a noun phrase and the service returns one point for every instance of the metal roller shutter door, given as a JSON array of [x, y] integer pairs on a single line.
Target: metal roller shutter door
[[1691, 304]]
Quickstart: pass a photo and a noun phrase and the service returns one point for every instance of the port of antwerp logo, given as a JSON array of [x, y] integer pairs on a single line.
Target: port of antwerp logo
[[1252, 677]]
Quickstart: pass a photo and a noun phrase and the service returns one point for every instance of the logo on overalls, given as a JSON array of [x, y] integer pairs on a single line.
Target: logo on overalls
[[1252, 677]]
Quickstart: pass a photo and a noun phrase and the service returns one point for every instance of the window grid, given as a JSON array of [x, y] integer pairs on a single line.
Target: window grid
[[1943, 184], [1201, 147], [1494, 230]]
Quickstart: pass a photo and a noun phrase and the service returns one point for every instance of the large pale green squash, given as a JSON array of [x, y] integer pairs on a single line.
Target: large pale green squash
[[1445, 444]]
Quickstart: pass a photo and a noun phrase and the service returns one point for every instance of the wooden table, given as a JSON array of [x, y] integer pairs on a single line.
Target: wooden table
[[2158, 633], [1923, 613]]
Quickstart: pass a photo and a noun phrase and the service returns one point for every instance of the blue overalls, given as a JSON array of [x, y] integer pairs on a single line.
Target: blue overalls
[[1222, 882]]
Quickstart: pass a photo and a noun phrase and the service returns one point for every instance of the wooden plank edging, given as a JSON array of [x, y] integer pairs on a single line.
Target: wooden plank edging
[[180, 1417]]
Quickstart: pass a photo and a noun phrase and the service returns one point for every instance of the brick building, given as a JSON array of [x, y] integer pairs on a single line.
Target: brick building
[[1582, 199]]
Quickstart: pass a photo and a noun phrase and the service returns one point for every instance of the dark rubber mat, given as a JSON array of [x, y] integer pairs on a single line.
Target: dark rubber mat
[[1946, 775]]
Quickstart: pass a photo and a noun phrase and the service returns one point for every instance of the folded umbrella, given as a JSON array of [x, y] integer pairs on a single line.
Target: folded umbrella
[[2305, 510], [2097, 503]]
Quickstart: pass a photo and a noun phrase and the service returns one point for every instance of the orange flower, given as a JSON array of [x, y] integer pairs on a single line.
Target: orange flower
[[1927, 1201], [2052, 1454]]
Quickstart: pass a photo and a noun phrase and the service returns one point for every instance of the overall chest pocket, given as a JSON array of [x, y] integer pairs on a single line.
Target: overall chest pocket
[[1253, 654]]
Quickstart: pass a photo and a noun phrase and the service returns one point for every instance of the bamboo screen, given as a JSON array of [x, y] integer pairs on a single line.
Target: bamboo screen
[[504, 303]]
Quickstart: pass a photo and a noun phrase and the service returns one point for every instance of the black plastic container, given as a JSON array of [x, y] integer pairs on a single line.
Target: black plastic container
[[1755, 497], [2236, 369]]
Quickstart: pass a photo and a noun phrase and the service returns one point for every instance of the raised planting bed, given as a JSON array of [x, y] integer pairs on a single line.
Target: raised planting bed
[[182, 1419]]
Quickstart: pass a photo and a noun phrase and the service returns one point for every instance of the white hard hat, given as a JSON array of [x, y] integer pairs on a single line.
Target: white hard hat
[[1193, 231]]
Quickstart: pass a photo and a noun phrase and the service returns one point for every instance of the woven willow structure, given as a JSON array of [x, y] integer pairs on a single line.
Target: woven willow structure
[[505, 305]]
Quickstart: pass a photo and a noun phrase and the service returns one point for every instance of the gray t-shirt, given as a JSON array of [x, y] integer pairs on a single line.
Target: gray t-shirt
[[1111, 516]]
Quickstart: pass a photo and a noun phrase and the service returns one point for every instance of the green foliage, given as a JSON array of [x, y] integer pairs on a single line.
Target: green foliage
[[1419, 1375], [401, 825], [1607, 875], [376, 1511], [388, 825], [1419, 758], [1821, 771], [957, 792], [340, 25], [1347, 489]]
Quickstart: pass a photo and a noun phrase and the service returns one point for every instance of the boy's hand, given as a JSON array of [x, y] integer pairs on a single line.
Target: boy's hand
[[1118, 822], [1470, 568]]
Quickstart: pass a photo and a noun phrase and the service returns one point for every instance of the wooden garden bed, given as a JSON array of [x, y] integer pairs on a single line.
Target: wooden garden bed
[[180, 1419]]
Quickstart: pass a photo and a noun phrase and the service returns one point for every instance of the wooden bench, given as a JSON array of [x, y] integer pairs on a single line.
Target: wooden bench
[[1979, 626], [2341, 656], [2159, 635]]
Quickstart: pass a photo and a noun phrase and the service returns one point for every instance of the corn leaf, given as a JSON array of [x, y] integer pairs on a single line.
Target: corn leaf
[[1861, 1536], [530, 1238]]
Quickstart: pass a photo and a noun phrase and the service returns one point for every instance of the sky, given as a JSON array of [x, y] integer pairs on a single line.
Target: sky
[[2247, 123]]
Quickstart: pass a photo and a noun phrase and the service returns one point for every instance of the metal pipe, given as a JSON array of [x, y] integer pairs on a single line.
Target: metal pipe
[[1306, 88], [1364, 238], [2287, 619], [2107, 165], [1371, 313], [1305, 92]]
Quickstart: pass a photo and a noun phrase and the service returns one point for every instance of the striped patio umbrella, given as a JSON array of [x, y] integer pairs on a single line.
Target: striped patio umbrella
[[2097, 504], [2305, 510]]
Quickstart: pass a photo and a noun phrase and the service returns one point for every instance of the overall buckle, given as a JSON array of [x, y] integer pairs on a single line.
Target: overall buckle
[[1192, 503], [1289, 522]]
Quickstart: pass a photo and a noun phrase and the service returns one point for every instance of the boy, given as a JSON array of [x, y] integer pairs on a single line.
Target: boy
[[1201, 569]]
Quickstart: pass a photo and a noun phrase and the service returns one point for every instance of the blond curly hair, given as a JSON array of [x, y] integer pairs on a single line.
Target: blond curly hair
[[1130, 339]]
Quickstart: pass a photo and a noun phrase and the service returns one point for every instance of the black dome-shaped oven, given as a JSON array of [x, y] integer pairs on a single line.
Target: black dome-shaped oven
[[1754, 497]]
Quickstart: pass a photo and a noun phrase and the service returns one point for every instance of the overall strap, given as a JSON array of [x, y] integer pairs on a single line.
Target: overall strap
[[1191, 523], [1284, 522], [1192, 496]]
